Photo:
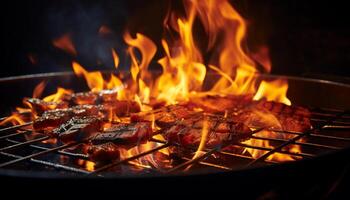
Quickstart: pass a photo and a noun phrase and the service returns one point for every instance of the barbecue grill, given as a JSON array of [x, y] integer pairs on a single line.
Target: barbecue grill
[[329, 139]]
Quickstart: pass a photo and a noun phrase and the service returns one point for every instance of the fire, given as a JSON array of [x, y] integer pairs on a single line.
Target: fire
[[14, 119], [184, 71], [61, 92], [95, 79], [65, 43], [115, 58], [204, 136], [39, 89], [273, 91]]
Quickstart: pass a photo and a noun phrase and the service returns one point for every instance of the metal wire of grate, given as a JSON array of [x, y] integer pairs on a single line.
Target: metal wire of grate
[[330, 132]]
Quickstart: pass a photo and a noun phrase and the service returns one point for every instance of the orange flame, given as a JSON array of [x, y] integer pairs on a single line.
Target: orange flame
[[115, 58], [14, 119], [65, 43], [273, 91], [61, 92], [39, 89]]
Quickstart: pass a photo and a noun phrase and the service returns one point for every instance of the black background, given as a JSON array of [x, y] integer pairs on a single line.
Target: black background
[[306, 38]]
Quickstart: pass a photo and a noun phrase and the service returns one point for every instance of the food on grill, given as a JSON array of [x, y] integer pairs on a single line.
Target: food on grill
[[121, 108], [39, 106], [220, 104], [99, 97], [103, 152], [220, 131], [265, 114], [82, 98], [53, 118], [125, 134], [165, 116], [78, 129]]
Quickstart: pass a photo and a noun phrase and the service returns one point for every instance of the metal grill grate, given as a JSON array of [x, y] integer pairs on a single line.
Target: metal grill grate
[[331, 132]]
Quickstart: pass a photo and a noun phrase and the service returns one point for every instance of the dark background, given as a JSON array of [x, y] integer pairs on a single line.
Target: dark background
[[305, 38]]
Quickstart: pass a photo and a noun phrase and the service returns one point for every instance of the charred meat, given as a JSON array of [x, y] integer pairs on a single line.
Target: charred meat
[[219, 132], [104, 152], [166, 116], [124, 134], [53, 118], [265, 114], [40, 106], [78, 129]]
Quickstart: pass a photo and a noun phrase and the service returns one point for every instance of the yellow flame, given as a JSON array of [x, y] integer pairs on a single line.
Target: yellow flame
[[115, 58], [61, 92], [273, 91], [204, 137], [14, 119]]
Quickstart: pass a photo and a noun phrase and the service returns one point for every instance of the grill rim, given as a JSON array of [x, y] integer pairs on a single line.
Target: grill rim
[[51, 174], [250, 169]]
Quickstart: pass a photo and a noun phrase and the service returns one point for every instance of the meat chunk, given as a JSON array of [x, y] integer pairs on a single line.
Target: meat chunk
[[104, 152], [121, 108], [40, 106], [108, 95], [125, 134], [166, 116], [218, 133], [220, 104], [53, 118], [85, 110], [78, 128], [266, 114], [83, 98], [99, 97]]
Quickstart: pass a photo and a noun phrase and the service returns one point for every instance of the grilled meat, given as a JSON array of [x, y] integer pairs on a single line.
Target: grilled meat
[[104, 152], [219, 104], [124, 134], [121, 108], [78, 128], [83, 98], [266, 114], [165, 116], [40, 106], [53, 118], [99, 97], [220, 131]]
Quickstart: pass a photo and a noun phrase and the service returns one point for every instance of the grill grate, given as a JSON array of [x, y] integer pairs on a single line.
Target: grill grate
[[331, 132]]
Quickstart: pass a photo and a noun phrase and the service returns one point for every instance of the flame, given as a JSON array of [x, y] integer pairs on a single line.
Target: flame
[[89, 166], [183, 70], [39, 89], [14, 119], [204, 136], [61, 92], [65, 43], [273, 91], [95, 79], [115, 58], [269, 120]]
